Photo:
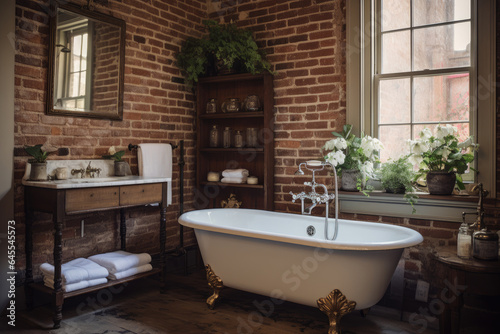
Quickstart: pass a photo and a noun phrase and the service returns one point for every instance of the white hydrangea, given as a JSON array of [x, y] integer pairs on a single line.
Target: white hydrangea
[[425, 134], [335, 158], [335, 144], [418, 146], [370, 146], [112, 150], [443, 131], [367, 169]]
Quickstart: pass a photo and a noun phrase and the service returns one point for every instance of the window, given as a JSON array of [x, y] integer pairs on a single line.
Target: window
[[416, 63], [73, 66]]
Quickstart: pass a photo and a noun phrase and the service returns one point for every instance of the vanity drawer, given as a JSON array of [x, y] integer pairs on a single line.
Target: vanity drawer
[[92, 198], [140, 194]]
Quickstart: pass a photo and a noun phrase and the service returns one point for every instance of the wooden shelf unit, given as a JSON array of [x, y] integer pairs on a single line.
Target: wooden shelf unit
[[258, 160]]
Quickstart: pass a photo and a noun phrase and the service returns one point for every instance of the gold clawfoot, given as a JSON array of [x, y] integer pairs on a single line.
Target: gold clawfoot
[[335, 306], [215, 283]]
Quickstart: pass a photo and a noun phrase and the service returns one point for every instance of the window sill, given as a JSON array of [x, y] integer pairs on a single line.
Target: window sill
[[429, 207]]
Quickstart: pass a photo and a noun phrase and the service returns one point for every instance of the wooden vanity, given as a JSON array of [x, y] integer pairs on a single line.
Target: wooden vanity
[[70, 198]]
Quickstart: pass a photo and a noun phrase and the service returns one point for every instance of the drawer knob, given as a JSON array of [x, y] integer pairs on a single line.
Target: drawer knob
[[91, 195], [142, 190]]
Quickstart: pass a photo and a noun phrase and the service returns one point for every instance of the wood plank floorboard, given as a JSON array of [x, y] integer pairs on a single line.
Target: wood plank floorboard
[[139, 308]]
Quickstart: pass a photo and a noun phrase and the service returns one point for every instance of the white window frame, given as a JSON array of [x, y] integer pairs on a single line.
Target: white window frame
[[359, 99]]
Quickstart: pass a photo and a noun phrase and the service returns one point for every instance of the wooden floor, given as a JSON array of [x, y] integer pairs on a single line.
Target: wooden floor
[[140, 308]]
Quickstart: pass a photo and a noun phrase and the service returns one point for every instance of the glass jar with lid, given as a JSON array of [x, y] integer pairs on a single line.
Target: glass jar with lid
[[226, 137]]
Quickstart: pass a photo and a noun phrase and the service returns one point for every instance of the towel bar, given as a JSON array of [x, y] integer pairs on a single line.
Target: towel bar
[[131, 146]]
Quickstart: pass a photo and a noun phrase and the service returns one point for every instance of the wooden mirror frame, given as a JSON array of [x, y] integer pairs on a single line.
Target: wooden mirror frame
[[94, 16]]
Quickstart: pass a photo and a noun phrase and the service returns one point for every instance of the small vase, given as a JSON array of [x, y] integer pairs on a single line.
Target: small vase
[[441, 183], [121, 168], [38, 171], [350, 179]]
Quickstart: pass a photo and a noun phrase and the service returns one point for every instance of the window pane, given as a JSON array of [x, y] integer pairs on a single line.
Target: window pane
[[82, 84], [445, 46], [73, 84], [396, 52], [437, 11], [441, 98], [84, 52], [395, 14], [394, 98], [394, 139], [80, 103]]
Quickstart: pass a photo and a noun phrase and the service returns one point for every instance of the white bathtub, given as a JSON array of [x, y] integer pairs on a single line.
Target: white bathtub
[[271, 254]]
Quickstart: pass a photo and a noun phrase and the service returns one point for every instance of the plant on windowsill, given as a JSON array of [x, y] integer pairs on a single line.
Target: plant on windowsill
[[442, 158], [38, 171], [225, 49], [353, 157], [121, 167], [397, 177]]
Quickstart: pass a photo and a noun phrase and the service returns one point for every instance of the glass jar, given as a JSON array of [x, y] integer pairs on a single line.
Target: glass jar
[[211, 106], [214, 136], [464, 241], [251, 137], [251, 103], [231, 105], [226, 137], [238, 139]]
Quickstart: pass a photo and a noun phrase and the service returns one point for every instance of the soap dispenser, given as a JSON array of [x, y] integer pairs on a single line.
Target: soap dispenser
[[464, 241]]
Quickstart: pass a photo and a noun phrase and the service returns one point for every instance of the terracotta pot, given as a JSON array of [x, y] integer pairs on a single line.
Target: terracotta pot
[[38, 171], [121, 168], [441, 183], [350, 179]]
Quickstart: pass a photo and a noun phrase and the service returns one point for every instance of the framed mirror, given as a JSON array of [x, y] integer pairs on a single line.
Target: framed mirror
[[86, 64]]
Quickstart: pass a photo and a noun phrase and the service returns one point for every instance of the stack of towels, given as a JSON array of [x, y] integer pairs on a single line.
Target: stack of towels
[[234, 176], [121, 264], [77, 274]]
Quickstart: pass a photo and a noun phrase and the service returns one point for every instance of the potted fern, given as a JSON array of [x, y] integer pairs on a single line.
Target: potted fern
[[225, 49], [397, 178]]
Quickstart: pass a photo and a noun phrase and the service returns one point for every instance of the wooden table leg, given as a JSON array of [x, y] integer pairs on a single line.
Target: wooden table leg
[[28, 244], [123, 230], [58, 292], [163, 238]]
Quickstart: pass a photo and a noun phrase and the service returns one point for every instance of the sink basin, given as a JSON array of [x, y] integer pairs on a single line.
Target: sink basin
[[92, 180]]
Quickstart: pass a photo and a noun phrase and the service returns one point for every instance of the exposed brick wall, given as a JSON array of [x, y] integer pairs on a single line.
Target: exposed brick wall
[[105, 67], [156, 109]]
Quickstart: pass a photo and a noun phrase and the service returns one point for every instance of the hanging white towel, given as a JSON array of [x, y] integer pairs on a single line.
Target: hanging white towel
[[155, 160], [49, 282], [76, 270], [130, 272], [235, 172], [120, 260]]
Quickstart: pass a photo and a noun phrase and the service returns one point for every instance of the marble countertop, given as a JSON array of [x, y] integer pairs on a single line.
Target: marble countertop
[[95, 182]]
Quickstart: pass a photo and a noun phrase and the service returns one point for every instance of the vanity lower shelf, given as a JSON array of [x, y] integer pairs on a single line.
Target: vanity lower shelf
[[234, 185], [42, 288]]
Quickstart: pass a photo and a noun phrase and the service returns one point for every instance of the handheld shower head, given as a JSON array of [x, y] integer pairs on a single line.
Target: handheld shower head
[[299, 172]]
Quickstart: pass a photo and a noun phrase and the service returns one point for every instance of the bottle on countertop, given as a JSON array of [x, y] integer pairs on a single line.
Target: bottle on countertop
[[464, 241]]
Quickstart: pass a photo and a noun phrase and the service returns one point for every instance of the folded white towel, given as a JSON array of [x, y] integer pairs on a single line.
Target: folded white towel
[[235, 173], [234, 179], [76, 270], [49, 282], [155, 160], [130, 272], [120, 260]]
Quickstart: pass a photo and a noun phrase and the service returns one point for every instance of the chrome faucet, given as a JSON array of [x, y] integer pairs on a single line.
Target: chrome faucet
[[313, 196]]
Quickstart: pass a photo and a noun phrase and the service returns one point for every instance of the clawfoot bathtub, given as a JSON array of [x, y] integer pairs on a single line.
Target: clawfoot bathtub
[[280, 255]]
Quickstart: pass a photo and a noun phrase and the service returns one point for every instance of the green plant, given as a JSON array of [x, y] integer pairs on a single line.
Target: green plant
[[226, 45], [348, 151], [38, 152], [442, 151], [397, 177], [114, 155]]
